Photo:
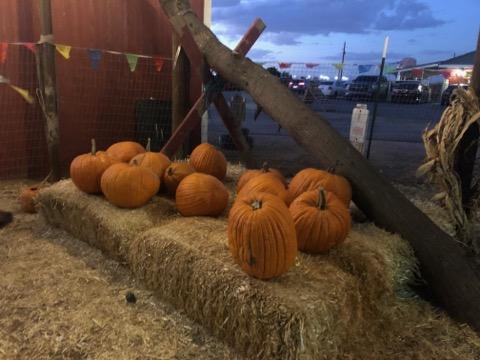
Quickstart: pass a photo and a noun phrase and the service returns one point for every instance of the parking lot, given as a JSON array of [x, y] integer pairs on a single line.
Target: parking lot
[[397, 148]]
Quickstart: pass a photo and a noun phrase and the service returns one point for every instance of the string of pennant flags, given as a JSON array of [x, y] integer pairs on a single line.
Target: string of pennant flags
[[95, 56], [389, 68]]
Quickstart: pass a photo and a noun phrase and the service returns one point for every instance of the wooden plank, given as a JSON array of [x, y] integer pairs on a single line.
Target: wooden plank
[[452, 277]]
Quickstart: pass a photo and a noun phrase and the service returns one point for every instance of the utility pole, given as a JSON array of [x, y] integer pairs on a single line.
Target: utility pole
[[340, 72], [48, 87]]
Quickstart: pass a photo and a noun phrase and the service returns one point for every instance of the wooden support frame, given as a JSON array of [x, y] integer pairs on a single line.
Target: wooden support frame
[[201, 105]]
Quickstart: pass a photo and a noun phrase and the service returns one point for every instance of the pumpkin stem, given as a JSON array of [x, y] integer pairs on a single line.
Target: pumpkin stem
[[256, 205], [265, 167], [148, 147], [332, 169], [322, 200], [135, 162], [94, 147], [170, 171]]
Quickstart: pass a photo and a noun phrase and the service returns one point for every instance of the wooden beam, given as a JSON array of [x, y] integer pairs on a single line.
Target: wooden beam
[[452, 277], [48, 88]]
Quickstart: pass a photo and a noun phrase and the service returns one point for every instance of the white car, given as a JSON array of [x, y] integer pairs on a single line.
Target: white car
[[332, 88]]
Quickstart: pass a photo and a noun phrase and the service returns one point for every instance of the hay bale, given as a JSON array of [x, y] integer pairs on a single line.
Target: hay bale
[[93, 220], [345, 304]]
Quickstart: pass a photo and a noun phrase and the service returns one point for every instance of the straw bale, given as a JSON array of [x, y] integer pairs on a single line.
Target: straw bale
[[92, 219]]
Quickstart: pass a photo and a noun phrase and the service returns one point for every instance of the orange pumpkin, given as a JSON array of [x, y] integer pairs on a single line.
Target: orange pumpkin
[[174, 174], [86, 170], [305, 180], [250, 174], [338, 185], [261, 235], [205, 158], [321, 221], [268, 183], [157, 162], [201, 195], [125, 151], [129, 185], [26, 199]]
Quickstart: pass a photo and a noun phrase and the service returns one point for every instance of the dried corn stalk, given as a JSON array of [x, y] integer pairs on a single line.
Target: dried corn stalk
[[441, 146]]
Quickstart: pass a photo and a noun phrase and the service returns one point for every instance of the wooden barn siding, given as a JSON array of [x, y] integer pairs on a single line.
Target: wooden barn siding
[[100, 102]]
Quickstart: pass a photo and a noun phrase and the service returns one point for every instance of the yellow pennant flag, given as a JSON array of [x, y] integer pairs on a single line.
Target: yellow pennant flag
[[64, 50], [24, 93]]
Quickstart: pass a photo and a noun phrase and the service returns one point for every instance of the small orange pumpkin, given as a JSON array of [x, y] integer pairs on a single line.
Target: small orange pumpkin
[[250, 174], [321, 221], [201, 195], [125, 151], [205, 158], [174, 174], [268, 183], [305, 180], [157, 162], [261, 235], [26, 199], [129, 185], [86, 170], [338, 185]]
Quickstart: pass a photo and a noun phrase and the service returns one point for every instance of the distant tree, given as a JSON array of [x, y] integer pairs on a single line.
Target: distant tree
[[273, 70]]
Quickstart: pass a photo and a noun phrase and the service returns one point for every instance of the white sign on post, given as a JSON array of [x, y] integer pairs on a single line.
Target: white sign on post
[[358, 126]]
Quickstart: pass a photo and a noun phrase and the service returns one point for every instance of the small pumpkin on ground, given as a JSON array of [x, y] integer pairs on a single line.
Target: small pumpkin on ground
[[201, 195], [27, 195], [125, 151], [321, 221], [205, 158], [250, 174], [155, 161], [268, 183], [261, 235], [129, 185], [174, 174], [86, 170]]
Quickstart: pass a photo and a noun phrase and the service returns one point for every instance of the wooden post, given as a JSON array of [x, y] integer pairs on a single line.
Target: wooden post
[[47, 80], [180, 86], [451, 275], [467, 148]]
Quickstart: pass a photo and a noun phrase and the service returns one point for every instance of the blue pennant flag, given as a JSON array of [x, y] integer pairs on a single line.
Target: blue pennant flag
[[95, 57], [364, 68]]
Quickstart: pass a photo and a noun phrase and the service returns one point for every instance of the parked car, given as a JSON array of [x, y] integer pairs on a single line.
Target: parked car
[[332, 88], [447, 93], [410, 92], [298, 85], [365, 86]]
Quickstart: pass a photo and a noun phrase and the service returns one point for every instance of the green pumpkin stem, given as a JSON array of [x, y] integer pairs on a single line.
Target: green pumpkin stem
[[322, 199], [148, 147], [256, 205], [94, 147], [265, 167]]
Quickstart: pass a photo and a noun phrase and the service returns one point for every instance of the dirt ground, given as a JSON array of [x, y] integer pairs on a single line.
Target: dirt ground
[[62, 299]]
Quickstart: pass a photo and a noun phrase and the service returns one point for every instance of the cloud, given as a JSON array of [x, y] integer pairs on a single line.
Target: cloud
[[323, 17], [367, 57], [261, 55]]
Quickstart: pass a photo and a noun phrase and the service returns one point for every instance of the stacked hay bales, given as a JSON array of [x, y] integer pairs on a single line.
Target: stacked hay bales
[[352, 303]]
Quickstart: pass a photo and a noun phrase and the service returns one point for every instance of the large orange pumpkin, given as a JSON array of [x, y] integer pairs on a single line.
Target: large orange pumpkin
[[174, 174], [155, 161], [261, 235], [125, 151], [268, 183], [312, 179], [321, 220], [86, 170], [201, 195], [129, 185], [250, 174], [205, 158]]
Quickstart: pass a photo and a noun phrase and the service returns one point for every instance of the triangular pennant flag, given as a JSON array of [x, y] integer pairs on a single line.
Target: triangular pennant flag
[[159, 62], [132, 61], [364, 68], [24, 93], [389, 69], [284, 65], [3, 52], [4, 80], [95, 57], [31, 46], [338, 66], [311, 65], [64, 50]]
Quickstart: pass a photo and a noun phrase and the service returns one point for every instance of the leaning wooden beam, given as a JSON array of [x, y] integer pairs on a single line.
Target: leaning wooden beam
[[451, 276], [201, 105]]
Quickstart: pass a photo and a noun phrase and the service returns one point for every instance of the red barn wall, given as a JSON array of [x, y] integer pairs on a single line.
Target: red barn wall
[[91, 102]]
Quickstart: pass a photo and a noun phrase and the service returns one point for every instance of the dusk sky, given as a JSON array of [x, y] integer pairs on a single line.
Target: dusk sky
[[314, 30]]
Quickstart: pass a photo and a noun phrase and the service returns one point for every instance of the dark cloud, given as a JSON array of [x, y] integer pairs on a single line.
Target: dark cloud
[[314, 17]]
